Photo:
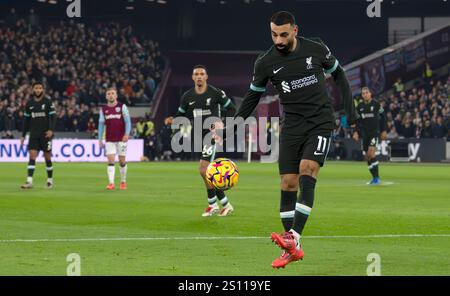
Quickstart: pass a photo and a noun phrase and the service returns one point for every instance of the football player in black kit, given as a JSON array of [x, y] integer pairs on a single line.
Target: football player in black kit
[[40, 121], [203, 101], [371, 125], [296, 67]]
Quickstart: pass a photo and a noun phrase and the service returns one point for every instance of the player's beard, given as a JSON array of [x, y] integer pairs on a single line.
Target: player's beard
[[287, 48], [40, 95]]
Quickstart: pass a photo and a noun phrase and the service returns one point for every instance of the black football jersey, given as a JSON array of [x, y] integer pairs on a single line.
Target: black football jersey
[[370, 117], [299, 78], [39, 113]]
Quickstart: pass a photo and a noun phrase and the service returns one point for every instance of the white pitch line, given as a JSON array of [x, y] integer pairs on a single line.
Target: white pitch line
[[209, 238]]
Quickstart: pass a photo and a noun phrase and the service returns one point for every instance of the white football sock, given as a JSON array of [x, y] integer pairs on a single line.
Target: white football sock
[[30, 180], [111, 173], [123, 173], [50, 180]]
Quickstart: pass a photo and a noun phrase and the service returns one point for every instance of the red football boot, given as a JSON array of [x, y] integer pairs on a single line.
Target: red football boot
[[111, 186], [287, 258], [123, 186], [286, 241]]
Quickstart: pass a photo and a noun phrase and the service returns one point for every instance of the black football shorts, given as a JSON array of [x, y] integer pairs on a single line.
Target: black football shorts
[[313, 146]]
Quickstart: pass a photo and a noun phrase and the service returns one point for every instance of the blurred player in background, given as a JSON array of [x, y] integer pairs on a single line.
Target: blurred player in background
[[295, 66], [371, 122], [116, 118], [40, 121], [204, 100]]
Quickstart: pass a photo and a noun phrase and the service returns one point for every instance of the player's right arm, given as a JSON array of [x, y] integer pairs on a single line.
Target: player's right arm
[[182, 110], [251, 98], [358, 125], [26, 123], [254, 94], [331, 66], [101, 128]]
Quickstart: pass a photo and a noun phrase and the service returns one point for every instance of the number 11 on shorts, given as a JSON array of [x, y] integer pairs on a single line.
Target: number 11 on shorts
[[321, 146]]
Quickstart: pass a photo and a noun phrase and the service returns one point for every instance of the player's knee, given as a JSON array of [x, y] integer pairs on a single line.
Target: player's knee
[[202, 171], [289, 182], [309, 167]]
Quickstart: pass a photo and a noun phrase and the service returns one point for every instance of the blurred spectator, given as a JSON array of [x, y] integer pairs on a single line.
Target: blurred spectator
[[427, 72], [407, 129], [166, 137], [339, 151], [399, 86], [427, 131], [392, 134], [144, 127], [8, 135], [439, 130]]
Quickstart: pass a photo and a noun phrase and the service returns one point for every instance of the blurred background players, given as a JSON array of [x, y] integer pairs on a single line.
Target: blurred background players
[[370, 124]]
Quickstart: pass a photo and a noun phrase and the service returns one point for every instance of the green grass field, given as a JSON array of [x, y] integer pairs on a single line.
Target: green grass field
[[156, 228]]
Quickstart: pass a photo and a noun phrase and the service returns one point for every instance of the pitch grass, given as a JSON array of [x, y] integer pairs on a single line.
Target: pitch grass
[[166, 200]]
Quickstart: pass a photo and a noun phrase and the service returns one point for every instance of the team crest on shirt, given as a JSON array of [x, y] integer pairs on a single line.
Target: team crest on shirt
[[208, 101], [309, 63], [117, 109], [43, 107], [371, 108]]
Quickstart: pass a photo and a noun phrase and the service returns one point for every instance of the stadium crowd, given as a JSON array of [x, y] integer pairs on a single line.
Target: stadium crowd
[[77, 62], [420, 112]]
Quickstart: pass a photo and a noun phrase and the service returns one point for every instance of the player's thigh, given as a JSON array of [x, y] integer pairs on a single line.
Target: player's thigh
[[289, 155], [202, 166], [316, 149], [122, 148], [369, 141], [111, 151], [34, 144], [46, 145]]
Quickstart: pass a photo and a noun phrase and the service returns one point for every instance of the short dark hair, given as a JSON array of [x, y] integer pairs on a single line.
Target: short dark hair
[[37, 83], [200, 67], [282, 18]]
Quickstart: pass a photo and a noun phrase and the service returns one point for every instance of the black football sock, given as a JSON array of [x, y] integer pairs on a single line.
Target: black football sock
[[222, 197], [212, 198], [287, 208], [373, 167], [31, 167], [49, 166], [305, 203]]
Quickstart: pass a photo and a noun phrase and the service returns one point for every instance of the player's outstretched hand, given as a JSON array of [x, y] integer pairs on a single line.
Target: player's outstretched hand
[[125, 138], [101, 144], [214, 128], [168, 120], [49, 134]]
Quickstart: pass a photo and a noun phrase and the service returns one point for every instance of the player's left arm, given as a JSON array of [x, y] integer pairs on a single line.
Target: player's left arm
[[331, 66], [51, 119], [383, 122], [127, 119], [26, 123]]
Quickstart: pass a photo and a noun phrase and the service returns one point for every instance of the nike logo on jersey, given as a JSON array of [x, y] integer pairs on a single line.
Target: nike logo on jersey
[[191, 103], [277, 70], [31, 108], [318, 153]]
